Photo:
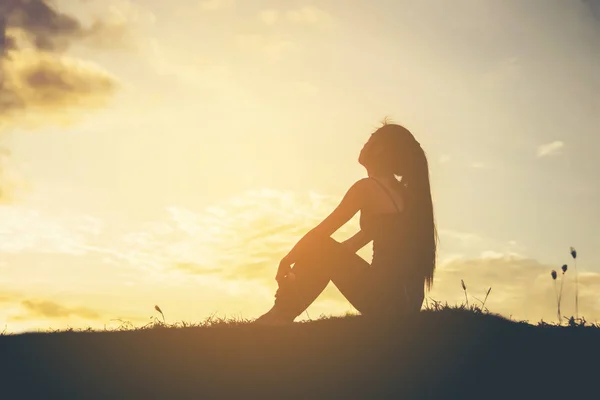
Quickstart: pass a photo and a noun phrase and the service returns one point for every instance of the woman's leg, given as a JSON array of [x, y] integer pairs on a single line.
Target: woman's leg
[[328, 261]]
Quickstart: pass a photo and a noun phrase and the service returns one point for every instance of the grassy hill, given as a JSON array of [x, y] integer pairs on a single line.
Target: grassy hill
[[450, 353]]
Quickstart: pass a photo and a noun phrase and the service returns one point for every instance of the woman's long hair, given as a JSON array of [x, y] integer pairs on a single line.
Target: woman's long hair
[[406, 159]]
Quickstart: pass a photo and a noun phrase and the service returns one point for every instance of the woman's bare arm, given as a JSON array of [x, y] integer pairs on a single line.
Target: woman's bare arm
[[348, 207], [357, 242]]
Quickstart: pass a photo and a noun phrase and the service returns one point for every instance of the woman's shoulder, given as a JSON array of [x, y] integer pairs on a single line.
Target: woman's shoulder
[[358, 191], [362, 186]]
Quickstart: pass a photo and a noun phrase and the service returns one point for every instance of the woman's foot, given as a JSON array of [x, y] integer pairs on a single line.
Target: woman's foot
[[274, 317]]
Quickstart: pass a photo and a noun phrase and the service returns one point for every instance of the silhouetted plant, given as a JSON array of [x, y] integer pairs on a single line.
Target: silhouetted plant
[[558, 293], [486, 296], [574, 255], [554, 275], [484, 300], [465, 289], [157, 308], [562, 281]]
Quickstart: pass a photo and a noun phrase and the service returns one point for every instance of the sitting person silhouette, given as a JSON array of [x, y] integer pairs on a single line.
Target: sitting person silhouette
[[397, 215]]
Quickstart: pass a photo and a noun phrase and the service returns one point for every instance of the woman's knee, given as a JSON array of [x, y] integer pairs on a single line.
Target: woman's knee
[[321, 249]]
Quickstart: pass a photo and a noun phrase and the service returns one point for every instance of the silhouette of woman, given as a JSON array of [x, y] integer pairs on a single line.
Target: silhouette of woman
[[397, 215]]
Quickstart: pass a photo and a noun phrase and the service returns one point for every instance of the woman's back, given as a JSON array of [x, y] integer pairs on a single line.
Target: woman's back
[[384, 220]]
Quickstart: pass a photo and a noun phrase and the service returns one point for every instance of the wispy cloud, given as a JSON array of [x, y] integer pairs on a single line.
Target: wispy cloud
[[25, 230], [49, 85], [50, 309], [464, 238], [242, 237], [550, 149], [8, 297]]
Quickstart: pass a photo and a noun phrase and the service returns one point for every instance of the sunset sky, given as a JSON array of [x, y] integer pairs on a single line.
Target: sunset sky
[[171, 153]]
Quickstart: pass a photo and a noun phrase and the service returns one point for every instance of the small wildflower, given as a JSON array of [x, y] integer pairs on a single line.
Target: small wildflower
[[564, 268], [574, 255], [486, 296], [462, 282], [554, 275], [157, 308]]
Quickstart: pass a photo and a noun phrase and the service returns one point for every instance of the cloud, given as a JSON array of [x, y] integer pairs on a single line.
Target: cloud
[[38, 83], [217, 4], [40, 79], [241, 238], [463, 238], [44, 26], [550, 149], [8, 297], [23, 230], [50, 309], [48, 85], [48, 29], [34, 73]]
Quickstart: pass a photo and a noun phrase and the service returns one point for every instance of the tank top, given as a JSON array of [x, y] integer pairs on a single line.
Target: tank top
[[388, 231]]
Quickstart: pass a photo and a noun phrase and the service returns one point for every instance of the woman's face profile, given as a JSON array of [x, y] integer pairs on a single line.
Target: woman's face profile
[[370, 150]]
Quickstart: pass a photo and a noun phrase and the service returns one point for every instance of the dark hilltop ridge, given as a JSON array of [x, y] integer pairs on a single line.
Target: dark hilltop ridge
[[449, 353]]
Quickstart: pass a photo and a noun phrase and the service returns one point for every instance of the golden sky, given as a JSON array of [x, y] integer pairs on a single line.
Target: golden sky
[[171, 153]]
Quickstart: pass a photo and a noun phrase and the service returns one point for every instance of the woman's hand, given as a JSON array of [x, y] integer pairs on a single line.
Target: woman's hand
[[285, 267]]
